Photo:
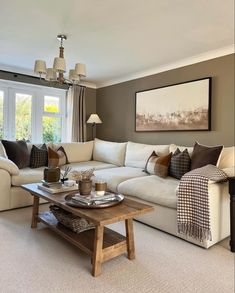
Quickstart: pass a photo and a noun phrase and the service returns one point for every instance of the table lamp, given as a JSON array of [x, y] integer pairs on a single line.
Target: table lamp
[[94, 119]]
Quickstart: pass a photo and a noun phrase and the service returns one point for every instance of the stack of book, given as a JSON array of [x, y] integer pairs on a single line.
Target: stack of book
[[54, 185], [93, 199]]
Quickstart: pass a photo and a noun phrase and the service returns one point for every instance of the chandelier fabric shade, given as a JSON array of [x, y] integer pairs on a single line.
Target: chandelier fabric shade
[[80, 69], [73, 76], [40, 67], [59, 65], [59, 68], [50, 75]]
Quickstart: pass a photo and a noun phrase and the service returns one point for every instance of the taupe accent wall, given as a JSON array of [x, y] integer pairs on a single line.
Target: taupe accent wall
[[116, 105]]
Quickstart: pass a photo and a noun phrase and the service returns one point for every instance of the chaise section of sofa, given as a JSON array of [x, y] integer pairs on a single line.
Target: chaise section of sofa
[[80, 156]]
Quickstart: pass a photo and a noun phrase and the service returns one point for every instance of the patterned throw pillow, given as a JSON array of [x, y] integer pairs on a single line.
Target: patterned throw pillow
[[180, 164], [158, 165], [57, 158], [39, 156], [17, 152], [204, 155]]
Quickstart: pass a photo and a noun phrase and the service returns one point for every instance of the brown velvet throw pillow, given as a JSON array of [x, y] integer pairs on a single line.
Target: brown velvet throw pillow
[[17, 152], [158, 165], [203, 155], [57, 158]]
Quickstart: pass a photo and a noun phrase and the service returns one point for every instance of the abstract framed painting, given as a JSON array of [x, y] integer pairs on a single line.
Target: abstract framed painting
[[179, 107]]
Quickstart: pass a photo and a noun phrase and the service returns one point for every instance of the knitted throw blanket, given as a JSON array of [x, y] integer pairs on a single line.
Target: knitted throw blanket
[[193, 214]]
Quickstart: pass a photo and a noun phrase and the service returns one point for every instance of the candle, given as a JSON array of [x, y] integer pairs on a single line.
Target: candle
[[100, 188], [100, 193]]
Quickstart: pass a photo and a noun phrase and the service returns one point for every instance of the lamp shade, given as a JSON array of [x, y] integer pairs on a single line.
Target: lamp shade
[[59, 65], [73, 76], [80, 69], [94, 118], [40, 67], [51, 74]]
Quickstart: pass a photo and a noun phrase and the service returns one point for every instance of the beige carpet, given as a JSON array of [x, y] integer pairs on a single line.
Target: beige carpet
[[40, 261]]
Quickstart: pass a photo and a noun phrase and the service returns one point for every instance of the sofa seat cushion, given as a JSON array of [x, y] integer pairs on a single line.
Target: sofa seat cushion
[[152, 189], [27, 175], [115, 176], [89, 165]]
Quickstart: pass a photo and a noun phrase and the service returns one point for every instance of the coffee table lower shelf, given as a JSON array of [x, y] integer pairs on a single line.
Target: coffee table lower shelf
[[114, 244]]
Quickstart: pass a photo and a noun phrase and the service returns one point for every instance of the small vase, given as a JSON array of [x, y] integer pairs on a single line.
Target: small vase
[[85, 187]]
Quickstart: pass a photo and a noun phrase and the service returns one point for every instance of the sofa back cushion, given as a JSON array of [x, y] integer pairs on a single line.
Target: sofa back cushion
[[227, 158], [77, 151], [109, 152], [137, 154]]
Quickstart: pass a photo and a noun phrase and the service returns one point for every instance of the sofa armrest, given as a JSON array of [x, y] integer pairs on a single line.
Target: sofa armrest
[[8, 166], [5, 186], [229, 171]]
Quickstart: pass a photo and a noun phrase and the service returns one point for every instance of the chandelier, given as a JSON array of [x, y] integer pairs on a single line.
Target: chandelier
[[59, 68]]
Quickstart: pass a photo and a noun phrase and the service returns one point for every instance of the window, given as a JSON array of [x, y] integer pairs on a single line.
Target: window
[[23, 117], [52, 119], [51, 104], [33, 113]]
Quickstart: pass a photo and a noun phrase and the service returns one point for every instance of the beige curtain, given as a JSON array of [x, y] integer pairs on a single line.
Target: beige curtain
[[76, 114]]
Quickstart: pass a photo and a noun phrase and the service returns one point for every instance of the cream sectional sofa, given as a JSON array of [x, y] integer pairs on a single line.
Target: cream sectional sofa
[[121, 166]]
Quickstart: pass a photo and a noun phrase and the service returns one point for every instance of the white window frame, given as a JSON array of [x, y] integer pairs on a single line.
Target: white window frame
[[5, 111], [62, 108], [10, 88]]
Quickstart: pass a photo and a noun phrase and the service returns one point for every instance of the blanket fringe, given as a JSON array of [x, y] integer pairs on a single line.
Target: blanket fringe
[[195, 231]]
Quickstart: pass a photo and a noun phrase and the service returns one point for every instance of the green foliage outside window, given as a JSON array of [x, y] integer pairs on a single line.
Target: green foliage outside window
[[23, 117], [51, 125]]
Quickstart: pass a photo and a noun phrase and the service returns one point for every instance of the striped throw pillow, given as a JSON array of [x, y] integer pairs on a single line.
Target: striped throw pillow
[[158, 165], [180, 164], [57, 158]]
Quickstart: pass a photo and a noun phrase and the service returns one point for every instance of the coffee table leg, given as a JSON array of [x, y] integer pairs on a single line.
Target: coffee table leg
[[97, 254], [35, 212], [130, 239]]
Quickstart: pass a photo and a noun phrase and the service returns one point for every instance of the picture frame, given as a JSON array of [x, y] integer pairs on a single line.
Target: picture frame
[[183, 106]]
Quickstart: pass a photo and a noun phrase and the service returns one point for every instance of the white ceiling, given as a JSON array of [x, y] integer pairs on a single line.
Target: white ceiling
[[114, 38]]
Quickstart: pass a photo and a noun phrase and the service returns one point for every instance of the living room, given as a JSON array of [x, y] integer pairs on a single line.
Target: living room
[[149, 114]]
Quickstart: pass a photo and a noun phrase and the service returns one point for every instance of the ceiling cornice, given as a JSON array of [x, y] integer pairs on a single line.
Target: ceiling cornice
[[180, 63]]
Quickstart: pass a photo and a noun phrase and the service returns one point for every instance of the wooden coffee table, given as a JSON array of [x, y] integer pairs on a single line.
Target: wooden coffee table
[[101, 243]]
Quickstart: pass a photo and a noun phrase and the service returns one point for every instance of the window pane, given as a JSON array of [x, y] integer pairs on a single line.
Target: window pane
[[1, 114], [51, 129], [23, 116], [51, 104]]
